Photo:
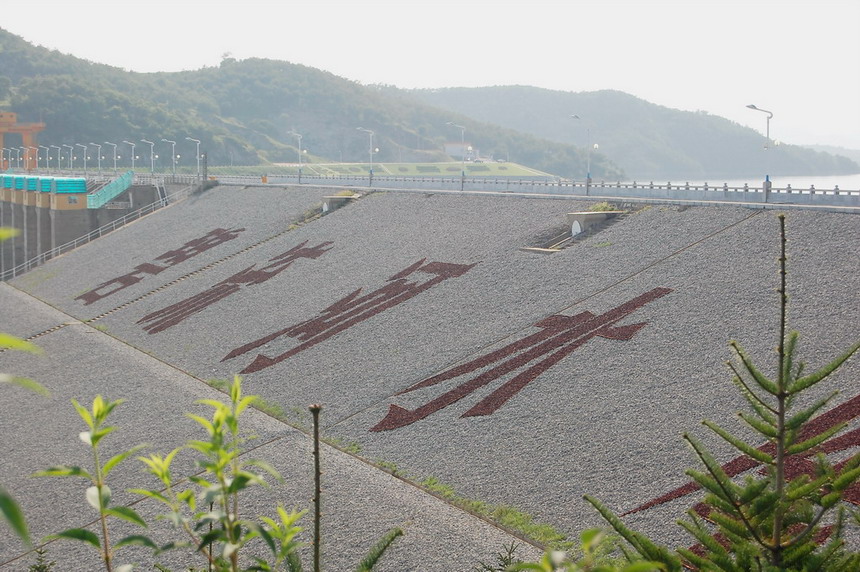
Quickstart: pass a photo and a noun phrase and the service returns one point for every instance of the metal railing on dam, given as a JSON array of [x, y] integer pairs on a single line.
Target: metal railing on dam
[[746, 193], [96, 233], [633, 190]]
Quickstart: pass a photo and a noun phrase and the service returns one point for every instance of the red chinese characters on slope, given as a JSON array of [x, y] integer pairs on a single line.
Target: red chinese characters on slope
[[174, 314], [353, 309], [170, 258], [559, 337]]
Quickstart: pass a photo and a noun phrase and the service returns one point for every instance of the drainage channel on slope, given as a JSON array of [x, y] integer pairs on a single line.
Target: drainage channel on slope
[[579, 226]]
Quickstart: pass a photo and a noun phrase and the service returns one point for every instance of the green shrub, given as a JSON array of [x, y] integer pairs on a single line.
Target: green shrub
[[205, 515]]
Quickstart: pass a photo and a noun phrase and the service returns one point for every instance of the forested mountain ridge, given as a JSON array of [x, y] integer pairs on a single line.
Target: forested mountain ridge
[[646, 140], [249, 112]]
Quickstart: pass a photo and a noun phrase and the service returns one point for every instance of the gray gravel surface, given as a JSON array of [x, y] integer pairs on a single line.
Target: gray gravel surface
[[605, 420], [261, 212], [360, 503]]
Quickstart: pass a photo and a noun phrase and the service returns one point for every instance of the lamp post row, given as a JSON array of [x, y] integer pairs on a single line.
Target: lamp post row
[[31, 155]]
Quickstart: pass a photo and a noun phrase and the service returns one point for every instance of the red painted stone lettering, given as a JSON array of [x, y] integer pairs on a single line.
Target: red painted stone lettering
[[559, 337], [353, 309], [170, 258], [172, 315]]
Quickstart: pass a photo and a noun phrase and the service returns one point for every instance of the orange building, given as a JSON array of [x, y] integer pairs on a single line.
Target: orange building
[[9, 124]]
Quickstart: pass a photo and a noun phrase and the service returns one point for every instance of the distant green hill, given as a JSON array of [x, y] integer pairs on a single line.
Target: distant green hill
[[249, 112], [648, 141], [853, 154]]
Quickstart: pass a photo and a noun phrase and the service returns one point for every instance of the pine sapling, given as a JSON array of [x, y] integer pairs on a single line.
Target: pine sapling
[[785, 519]]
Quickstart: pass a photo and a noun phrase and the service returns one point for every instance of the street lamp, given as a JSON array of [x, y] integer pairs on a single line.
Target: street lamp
[[85, 155], [114, 155], [462, 142], [132, 153], [18, 150], [172, 154], [59, 152], [29, 157], [370, 149], [588, 146], [198, 153], [3, 159], [47, 156], [71, 153], [300, 146], [151, 155], [766, 188], [99, 157]]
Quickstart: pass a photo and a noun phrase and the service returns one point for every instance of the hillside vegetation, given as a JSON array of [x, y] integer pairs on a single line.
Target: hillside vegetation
[[248, 112], [646, 140], [251, 112]]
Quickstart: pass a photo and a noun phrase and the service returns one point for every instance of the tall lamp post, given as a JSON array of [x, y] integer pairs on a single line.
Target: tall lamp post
[[151, 155], [114, 155], [766, 186], [172, 154], [47, 157], [369, 149], [299, 137], [132, 153], [98, 155], [71, 153], [84, 147], [3, 159], [588, 147], [31, 151], [198, 153], [462, 151], [462, 142], [59, 152]]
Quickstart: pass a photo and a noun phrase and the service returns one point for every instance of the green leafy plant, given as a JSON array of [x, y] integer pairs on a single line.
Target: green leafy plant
[[596, 552], [98, 494], [42, 563], [504, 559], [204, 509]]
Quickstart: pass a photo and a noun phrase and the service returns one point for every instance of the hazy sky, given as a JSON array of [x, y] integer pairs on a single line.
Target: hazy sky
[[800, 60]]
